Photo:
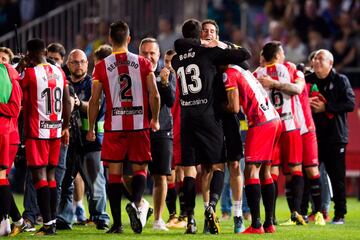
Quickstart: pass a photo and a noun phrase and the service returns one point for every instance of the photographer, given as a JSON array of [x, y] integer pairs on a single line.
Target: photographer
[[83, 156]]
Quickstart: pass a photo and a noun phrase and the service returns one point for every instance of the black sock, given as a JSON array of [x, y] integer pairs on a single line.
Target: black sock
[[126, 193], [138, 185], [115, 191], [268, 197], [181, 199], [43, 199], [315, 191], [216, 185], [171, 199], [53, 202], [275, 197], [189, 195], [14, 211], [305, 197], [297, 187], [289, 196], [5, 200], [253, 198]]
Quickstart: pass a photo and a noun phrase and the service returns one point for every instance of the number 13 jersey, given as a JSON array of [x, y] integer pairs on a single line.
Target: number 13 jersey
[[43, 87]]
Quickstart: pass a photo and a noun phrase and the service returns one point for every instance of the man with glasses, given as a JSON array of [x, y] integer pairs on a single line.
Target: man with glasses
[[83, 156]]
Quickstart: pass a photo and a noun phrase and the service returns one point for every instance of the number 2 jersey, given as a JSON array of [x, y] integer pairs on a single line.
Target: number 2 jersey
[[123, 77], [252, 96], [286, 105], [43, 88]]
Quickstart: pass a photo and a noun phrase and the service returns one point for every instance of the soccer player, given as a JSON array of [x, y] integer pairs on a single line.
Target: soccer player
[[10, 102], [129, 86], [283, 83], [46, 119], [162, 140], [233, 143], [261, 138], [201, 132]]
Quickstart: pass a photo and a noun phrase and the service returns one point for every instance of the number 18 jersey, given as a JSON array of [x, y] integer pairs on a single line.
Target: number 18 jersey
[[43, 87]]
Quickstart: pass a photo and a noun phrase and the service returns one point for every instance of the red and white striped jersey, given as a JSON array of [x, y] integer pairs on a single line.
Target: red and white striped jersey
[[253, 98], [43, 87], [305, 116], [286, 105], [123, 76]]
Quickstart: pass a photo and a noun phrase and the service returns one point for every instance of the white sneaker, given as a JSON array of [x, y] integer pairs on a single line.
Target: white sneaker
[[5, 228], [143, 210], [160, 225]]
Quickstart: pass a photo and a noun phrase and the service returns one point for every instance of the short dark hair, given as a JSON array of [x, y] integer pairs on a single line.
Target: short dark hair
[[191, 28], [270, 50], [35, 45], [170, 52], [57, 48], [103, 51], [212, 22], [119, 32]]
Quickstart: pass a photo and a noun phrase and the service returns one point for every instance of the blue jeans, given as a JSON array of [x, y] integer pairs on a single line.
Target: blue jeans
[[31, 209], [226, 198], [89, 166], [325, 189]]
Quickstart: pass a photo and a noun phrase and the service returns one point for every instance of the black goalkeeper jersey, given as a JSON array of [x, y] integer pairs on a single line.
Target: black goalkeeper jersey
[[196, 70]]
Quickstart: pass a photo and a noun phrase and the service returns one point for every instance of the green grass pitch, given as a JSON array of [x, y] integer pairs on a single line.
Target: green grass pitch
[[351, 229]]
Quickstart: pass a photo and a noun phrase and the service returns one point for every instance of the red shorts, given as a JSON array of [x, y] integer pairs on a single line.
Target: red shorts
[[12, 154], [42, 152], [4, 151], [289, 150], [260, 142], [310, 149], [134, 146]]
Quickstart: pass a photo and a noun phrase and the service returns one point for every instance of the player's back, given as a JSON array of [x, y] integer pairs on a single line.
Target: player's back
[[43, 87], [196, 73], [123, 75], [253, 98]]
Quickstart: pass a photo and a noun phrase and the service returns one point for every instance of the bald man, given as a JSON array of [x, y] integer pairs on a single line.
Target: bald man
[[83, 156]]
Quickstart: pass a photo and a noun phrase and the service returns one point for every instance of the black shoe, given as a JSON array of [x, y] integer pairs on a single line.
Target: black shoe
[[206, 227], [46, 230], [135, 222], [213, 221], [116, 229], [191, 226], [338, 220], [102, 225], [149, 213], [60, 225]]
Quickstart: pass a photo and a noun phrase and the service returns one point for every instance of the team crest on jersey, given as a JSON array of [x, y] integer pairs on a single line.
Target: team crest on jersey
[[224, 77]]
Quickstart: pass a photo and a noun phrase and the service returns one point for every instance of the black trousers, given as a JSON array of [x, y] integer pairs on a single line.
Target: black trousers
[[333, 156]]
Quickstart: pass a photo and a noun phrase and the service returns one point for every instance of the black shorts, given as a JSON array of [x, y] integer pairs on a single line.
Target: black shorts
[[162, 154], [202, 141], [233, 144]]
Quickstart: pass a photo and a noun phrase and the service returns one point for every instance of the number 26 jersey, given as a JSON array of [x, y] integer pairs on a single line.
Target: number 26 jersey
[[43, 88]]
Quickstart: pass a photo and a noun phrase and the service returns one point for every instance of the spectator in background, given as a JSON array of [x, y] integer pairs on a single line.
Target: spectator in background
[[309, 19], [316, 40], [167, 35], [277, 32], [295, 49], [275, 9], [330, 115]]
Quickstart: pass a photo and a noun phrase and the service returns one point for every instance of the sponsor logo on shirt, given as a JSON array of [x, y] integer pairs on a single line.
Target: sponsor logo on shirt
[[50, 124], [193, 102], [138, 110]]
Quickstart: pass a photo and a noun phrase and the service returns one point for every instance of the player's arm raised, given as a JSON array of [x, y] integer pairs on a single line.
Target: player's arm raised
[[154, 100], [93, 109]]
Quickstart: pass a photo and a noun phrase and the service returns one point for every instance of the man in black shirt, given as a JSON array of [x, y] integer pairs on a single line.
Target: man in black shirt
[[201, 132], [330, 110]]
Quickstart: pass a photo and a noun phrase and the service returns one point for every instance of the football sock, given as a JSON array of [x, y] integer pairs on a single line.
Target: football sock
[[138, 185], [289, 196], [216, 185], [171, 198], [268, 196], [181, 198], [238, 208], [5, 198], [189, 195], [315, 191], [53, 199], [253, 194], [297, 187], [43, 199]]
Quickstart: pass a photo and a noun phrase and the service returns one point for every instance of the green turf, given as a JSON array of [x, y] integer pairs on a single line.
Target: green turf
[[351, 229]]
